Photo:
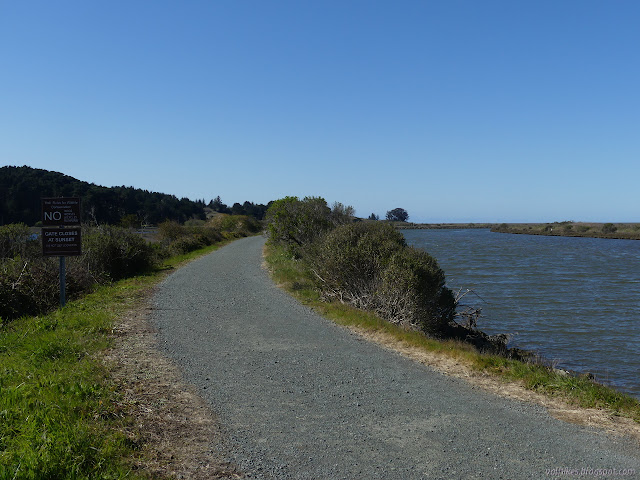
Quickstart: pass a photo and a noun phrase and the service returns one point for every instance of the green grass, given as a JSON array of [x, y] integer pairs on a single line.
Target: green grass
[[60, 414], [294, 277]]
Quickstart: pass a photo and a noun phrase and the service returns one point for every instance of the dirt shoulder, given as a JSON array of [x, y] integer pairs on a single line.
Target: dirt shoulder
[[557, 408], [177, 432]]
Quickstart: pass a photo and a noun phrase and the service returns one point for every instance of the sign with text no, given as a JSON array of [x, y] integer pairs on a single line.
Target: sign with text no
[[61, 242], [61, 211]]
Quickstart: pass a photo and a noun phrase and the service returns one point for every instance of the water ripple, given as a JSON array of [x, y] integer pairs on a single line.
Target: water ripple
[[574, 300]]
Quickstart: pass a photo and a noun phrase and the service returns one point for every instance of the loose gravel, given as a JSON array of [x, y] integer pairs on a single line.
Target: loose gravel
[[299, 397]]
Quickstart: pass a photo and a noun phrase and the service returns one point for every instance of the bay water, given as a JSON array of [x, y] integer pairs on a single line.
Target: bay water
[[574, 301]]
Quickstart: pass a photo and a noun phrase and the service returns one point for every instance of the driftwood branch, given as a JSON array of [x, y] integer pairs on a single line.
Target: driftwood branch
[[470, 314]]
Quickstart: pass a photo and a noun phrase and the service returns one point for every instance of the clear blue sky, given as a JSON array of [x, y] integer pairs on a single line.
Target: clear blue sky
[[456, 110]]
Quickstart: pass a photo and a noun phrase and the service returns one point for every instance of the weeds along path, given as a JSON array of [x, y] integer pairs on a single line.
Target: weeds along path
[[299, 397]]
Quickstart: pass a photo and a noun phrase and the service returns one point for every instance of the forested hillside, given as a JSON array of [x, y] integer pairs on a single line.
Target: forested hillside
[[21, 189]]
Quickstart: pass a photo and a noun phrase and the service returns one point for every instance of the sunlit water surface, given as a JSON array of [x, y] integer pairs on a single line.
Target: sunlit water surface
[[575, 301]]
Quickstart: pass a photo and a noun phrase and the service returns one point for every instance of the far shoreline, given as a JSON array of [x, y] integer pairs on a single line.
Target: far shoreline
[[616, 231]]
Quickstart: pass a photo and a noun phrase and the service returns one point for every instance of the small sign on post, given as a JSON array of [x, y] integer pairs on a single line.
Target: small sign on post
[[57, 239]]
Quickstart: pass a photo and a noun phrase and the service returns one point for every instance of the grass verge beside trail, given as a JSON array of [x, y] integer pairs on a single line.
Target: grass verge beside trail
[[581, 391], [60, 413]]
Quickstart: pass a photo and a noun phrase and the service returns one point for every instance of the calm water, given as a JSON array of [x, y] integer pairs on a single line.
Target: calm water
[[575, 301]]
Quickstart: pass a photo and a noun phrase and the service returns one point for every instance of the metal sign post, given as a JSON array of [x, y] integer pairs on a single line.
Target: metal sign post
[[65, 239], [63, 282]]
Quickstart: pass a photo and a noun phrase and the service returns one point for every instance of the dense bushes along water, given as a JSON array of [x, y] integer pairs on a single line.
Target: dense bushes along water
[[369, 266], [365, 264]]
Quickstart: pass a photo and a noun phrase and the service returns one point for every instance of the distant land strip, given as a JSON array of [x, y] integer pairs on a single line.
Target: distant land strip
[[624, 231], [441, 226]]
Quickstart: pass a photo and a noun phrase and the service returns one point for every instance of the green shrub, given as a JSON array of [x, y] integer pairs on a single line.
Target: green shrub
[[195, 234], [210, 235], [115, 252], [28, 286], [609, 228], [194, 222], [413, 292], [31, 286], [160, 251], [364, 264], [296, 223], [369, 266], [342, 214], [349, 259], [130, 221], [236, 225], [170, 231], [29, 282], [186, 244], [15, 239]]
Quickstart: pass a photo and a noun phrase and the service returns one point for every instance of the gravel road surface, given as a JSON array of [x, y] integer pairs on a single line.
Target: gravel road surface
[[299, 397]]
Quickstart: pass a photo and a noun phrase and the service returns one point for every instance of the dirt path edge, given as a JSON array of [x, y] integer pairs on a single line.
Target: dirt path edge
[[556, 407], [178, 434]]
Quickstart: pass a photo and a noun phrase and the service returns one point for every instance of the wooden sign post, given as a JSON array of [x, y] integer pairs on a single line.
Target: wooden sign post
[[65, 239]]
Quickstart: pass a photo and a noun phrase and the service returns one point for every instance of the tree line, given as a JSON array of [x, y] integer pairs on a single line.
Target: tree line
[[395, 215], [21, 189]]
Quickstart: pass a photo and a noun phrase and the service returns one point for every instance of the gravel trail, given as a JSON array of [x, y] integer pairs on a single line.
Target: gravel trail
[[299, 397]]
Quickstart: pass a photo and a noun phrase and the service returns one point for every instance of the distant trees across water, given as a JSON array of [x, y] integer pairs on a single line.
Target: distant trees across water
[[397, 215], [21, 189]]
